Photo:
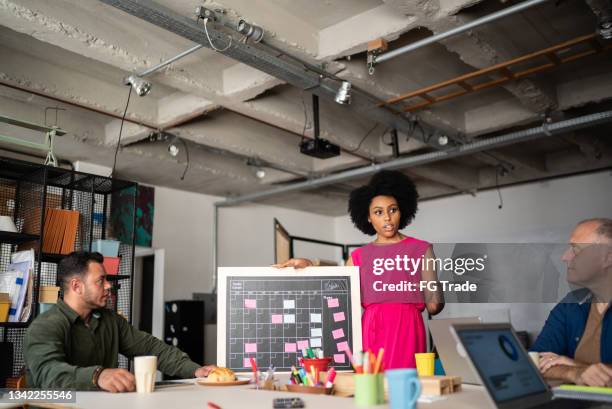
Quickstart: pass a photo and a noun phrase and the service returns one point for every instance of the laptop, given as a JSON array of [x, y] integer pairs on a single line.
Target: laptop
[[446, 345], [504, 368]]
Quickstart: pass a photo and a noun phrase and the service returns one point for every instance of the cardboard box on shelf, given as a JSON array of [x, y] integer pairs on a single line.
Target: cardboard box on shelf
[[48, 294], [5, 305]]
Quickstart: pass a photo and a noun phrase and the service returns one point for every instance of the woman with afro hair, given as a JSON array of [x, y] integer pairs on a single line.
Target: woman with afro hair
[[392, 319]]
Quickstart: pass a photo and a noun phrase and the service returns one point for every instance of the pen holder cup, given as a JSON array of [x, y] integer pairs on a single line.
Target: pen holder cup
[[369, 389], [319, 364]]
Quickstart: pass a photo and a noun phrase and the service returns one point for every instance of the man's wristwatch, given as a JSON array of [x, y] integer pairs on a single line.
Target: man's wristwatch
[[96, 375]]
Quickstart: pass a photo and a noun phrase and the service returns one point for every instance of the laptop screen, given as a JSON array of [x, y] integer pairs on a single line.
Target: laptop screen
[[502, 364]]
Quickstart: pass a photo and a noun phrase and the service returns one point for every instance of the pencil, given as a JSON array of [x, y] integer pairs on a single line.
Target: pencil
[[381, 352], [350, 356], [358, 363], [372, 360]]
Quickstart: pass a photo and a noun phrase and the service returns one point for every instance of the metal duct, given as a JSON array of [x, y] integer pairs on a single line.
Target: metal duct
[[458, 30], [292, 71]]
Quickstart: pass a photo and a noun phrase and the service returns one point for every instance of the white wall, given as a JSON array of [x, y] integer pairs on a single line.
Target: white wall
[[539, 212], [183, 227]]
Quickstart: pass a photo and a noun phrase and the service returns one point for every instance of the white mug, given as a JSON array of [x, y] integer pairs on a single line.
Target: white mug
[[6, 224], [145, 371]]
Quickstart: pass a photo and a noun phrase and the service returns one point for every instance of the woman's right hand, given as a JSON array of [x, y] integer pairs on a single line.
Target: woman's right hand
[[295, 263]]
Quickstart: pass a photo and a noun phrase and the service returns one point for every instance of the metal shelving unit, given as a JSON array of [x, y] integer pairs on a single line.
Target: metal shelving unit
[[26, 191]]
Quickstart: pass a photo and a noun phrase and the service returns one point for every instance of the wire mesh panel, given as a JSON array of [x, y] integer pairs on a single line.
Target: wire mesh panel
[[106, 210], [16, 336]]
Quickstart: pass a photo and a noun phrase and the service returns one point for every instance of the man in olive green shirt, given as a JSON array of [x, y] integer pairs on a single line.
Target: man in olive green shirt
[[75, 345]]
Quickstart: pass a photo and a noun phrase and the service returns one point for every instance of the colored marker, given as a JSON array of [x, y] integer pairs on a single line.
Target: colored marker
[[296, 376], [331, 375], [303, 376], [314, 374], [254, 368], [311, 381]]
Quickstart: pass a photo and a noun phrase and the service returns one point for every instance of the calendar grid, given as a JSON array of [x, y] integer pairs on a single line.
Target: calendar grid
[[269, 319]]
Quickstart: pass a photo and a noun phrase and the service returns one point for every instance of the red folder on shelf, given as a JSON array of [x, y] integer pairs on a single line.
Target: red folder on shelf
[[111, 265]]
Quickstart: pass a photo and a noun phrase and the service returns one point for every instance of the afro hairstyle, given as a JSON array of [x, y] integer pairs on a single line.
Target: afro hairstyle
[[384, 183]]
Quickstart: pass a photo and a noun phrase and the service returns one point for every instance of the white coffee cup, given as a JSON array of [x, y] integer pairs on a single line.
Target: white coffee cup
[[6, 224], [145, 371], [535, 357]]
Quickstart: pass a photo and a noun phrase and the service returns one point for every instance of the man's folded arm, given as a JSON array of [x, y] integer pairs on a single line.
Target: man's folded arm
[[46, 361], [170, 360]]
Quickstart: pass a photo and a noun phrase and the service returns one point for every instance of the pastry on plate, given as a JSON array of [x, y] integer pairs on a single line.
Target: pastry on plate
[[221, 375]]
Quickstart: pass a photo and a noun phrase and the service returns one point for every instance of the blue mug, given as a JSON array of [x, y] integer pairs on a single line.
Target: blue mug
[[404, 388]]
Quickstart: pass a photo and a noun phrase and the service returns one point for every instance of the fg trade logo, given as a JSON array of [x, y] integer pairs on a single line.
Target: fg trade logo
[[508, 347]]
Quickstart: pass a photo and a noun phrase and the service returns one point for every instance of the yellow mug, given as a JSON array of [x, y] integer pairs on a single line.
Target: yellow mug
[[425, 363]]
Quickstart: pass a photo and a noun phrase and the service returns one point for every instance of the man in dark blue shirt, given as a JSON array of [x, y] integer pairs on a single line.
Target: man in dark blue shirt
[[575, 344]]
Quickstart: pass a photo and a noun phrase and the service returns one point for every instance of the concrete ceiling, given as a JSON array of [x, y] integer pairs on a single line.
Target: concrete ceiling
[[73, 54]]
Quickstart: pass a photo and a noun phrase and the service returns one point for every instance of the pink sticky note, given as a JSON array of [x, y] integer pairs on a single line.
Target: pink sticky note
[[339, 358], [338, 333], [332, 303], [246, 363], [250, 348], [302, 344], [339, 316], [342, 346], [250, 303], [277, 319], [290, 347]]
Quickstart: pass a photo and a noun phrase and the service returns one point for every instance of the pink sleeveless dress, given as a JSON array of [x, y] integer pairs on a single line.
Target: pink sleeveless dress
[[392, 319]]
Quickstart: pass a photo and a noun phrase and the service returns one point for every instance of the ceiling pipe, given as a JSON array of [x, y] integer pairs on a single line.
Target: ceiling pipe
[[458, 30], [256, 56], [603, 10], [547, 129], [75, 104], [169, 61]]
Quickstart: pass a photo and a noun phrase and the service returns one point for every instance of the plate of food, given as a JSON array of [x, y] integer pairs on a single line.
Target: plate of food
[[222, 377]]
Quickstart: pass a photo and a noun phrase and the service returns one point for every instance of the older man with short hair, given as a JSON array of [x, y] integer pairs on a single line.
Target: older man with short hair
[[575, 344]]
